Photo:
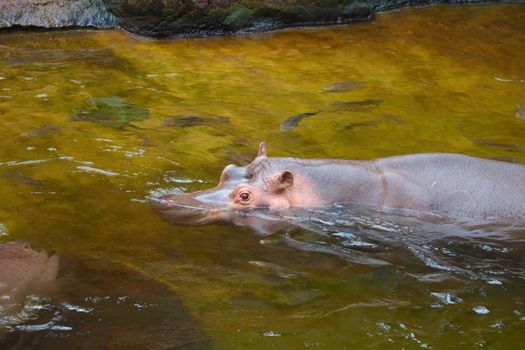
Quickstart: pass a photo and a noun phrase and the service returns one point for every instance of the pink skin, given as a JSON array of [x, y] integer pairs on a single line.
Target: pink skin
[[436, 182]]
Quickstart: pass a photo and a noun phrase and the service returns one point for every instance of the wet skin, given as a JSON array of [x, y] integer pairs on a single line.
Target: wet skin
[[435, 182]]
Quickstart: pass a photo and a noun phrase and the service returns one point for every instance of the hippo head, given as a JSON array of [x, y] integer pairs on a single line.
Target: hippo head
[[264, 183]]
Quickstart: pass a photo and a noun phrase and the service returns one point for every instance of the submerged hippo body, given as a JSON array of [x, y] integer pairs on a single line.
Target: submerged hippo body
[[436, 182]]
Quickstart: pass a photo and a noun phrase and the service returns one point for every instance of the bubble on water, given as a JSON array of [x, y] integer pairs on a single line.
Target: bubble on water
[[43, 327], [429, 261], [2, 78], [503, 79], [447, 298], [384, 327], [3, 230], [347, 235], [481, 343], [103, 140], [357, 244], [96, 300], [498, 324], [138, 152], [271, 334], [158, 192], [481, 310], [182, 180], [96, 170], [413, 337], [27, 162], [77, 308], [495, 282]]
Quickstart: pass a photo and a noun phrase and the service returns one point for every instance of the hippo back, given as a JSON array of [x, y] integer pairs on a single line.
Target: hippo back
[[454, 183]]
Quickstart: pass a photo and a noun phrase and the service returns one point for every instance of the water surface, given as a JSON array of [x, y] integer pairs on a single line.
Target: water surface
[[95, 122]]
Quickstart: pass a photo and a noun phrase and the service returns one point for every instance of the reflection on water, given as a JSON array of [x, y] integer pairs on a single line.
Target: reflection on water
[[95, 122], [102, 305], [465, 248]]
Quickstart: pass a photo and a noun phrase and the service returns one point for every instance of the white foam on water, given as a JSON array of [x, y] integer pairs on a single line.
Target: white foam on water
[[88, 169], [481, 310], [77, 308], [447, 298], [271, 334]]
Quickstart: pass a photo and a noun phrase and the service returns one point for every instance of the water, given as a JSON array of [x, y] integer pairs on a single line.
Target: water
[[95, 122]]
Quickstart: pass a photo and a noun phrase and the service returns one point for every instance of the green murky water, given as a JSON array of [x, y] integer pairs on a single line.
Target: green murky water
[[94, 122]]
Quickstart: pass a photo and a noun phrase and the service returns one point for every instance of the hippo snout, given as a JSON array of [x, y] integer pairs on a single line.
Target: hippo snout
[[170, 201], [186, 210]]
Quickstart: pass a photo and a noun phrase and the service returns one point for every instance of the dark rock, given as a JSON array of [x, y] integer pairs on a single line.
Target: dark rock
[[291, 123], [188, 120], [212, 17], [43, 131], [55, 13], [114, 112], [188, 18], [356, 105]]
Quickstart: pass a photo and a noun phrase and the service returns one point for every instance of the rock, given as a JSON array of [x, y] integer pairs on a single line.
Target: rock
[[55, 14], [189, 18], [291, 123], [188, 120], [42, 131], [356, 105], [212, 17]]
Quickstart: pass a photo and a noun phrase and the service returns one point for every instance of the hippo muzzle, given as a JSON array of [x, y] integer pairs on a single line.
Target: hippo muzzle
[[187, 209], [201, 207]]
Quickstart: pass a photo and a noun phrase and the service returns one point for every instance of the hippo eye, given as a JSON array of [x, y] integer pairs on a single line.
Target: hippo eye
[[245, 197]]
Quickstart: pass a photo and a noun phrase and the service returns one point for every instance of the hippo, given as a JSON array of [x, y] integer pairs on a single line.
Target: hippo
[[431, 183], [24, 270]]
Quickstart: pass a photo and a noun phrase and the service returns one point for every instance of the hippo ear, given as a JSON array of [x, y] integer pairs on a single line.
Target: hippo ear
[[282, 182], [262, 150]]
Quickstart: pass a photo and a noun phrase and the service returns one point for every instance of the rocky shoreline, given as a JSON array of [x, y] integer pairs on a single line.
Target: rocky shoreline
[[196, 18]]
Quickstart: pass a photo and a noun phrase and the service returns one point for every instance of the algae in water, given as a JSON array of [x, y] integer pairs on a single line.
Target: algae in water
[[114, 112]]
